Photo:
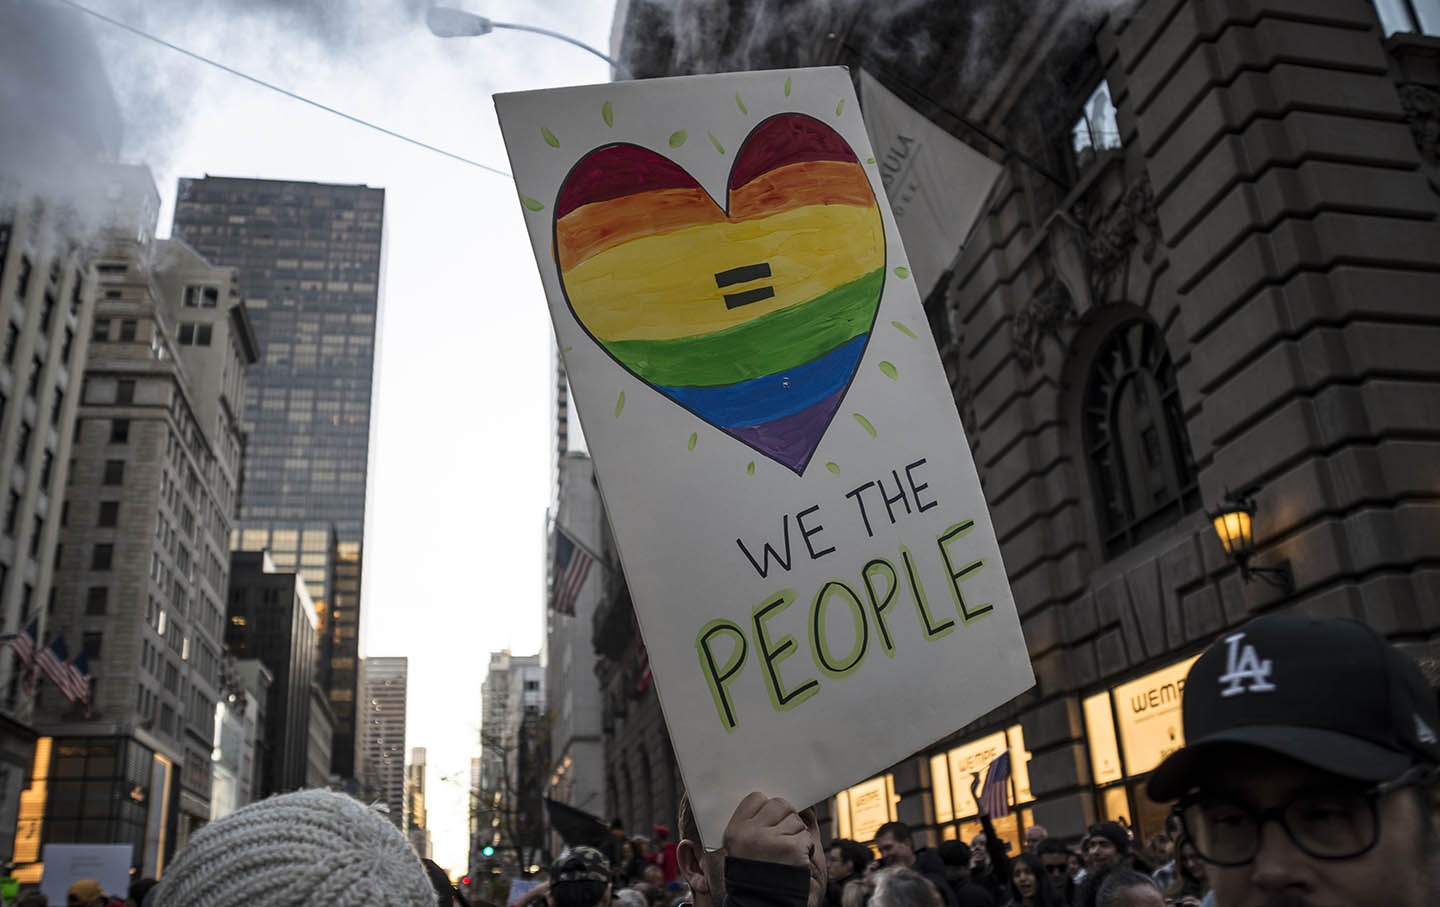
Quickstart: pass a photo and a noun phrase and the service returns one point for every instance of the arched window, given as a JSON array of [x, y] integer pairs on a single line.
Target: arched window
[[1141, 467]]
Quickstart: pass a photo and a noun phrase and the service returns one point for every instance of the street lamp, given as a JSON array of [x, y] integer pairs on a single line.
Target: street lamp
[[447, 22], [1233, 523]]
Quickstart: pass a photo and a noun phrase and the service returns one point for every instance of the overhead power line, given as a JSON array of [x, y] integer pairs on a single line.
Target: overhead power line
[[276, 88]]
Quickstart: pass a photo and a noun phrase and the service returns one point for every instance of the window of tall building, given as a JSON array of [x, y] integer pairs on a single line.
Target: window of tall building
[[32, 386], [108, 514], [202, 335], [12, 510], [22, 446], [57, 404], [201, 297], [22, 283], [1141, 467], [125, 391], [1097, 128], [47, 465], [47, 311], [12, 340], [97, 599], [101, 330], [114, 472], [127, 329], [101, 556], [37, 529], [187, 333], [119, 431], [66, 345], [1421, 16]]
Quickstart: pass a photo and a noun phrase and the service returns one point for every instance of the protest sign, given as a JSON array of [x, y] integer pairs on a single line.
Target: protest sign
[[66, 864], [801, 525]]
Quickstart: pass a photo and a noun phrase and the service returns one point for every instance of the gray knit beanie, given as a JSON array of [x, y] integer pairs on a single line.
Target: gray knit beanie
[[312, 848]]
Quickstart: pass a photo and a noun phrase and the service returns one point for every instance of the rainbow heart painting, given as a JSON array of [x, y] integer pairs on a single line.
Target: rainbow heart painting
[[754, 316]]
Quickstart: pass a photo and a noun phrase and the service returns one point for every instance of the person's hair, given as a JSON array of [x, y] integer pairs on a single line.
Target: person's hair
[[1052, 845], [853, 894], [899, 887], [578, 894], [685, 819], [139, 888], [629, 897], [1044, 895], [1120, 880], [1183, 878], [897, 830], [32, 898], [852, 852], [955, 853]]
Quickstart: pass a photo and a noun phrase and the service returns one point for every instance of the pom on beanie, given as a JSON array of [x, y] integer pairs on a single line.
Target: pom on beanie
[[311, 848]]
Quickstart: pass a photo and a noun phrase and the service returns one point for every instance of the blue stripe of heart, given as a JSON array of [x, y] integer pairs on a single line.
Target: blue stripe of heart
[[772, 397]]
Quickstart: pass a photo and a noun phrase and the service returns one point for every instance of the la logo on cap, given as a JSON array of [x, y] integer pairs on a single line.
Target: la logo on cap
[[1242, 665]]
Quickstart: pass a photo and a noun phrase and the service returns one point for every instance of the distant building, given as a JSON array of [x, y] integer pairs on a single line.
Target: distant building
[[310, 259], [512, 760], [239, 736], [144, 563], [270, 617], [577, 746], [383, 732], [322, 732], [416, 828], [65, 113]]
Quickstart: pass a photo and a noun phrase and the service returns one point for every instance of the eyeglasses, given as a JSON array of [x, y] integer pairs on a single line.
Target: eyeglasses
[[1325, 825]]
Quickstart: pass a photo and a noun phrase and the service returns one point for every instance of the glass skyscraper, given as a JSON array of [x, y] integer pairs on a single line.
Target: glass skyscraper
[[310, 260]]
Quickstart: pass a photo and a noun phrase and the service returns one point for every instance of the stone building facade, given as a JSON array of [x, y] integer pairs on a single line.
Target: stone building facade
[[1208, 271]]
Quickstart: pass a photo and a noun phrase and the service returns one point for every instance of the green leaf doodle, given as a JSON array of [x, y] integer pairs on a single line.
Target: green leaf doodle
[[677, 138], [750, 468], [567, 349], [716, 142], [840, 107], [787, 88], [549, 137], [904, 330], [890, 371], [620, 404], [694, 437], [530, 203], [607, 113], [865, 424], [833, 467], [902, 272], [869, 160], [741, 104]]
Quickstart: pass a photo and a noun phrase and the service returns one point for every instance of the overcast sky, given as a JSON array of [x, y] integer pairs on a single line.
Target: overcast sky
[[460, 470]]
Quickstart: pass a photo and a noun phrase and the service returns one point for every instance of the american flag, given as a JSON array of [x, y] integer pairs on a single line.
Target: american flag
[[994, 796], [51, 662], [78, 670], [24, 646], [572, 566]]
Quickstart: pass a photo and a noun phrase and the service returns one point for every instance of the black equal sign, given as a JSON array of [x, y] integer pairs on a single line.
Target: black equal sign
[[744, 274]]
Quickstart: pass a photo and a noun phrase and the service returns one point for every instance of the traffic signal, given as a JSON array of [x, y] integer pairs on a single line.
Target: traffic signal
[[488, 851], [464, 880]]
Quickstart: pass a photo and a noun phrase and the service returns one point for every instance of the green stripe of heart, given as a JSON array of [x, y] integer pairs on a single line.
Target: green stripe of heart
[[763, 346]]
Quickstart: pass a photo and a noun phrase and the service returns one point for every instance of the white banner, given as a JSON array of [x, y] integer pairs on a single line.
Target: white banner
[[801, 524], [937, 184]]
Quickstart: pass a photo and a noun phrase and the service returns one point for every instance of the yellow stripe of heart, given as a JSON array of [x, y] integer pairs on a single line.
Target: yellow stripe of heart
[[662, 287]]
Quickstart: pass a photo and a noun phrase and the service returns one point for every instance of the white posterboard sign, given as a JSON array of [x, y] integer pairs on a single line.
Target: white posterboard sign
[[66, 864], [802, 528]]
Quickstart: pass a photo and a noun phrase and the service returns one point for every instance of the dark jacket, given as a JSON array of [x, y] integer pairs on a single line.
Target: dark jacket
[[928, 864], [754, 883], [835, 889], [968, 894]]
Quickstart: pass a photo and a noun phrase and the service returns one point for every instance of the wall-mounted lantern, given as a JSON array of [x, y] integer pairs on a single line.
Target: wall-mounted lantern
[[1233, 521]]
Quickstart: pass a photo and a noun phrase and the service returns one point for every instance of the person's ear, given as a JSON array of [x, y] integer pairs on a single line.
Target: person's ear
[[691, 857]]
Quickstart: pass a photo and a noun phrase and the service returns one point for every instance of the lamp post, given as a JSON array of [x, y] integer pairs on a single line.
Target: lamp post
[[1233, 522], [447, 22]]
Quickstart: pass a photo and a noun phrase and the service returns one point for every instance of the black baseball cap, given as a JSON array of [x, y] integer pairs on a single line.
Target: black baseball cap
[[1332, 694]]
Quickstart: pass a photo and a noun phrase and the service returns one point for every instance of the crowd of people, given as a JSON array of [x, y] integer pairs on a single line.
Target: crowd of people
[[1310, 777]]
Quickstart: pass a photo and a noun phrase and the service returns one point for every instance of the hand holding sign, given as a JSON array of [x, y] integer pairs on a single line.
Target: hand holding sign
[[768, 829]]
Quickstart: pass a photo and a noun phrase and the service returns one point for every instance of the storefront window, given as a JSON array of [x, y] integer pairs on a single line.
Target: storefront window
[[951, 774], [1131, 729], [861, 810]]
